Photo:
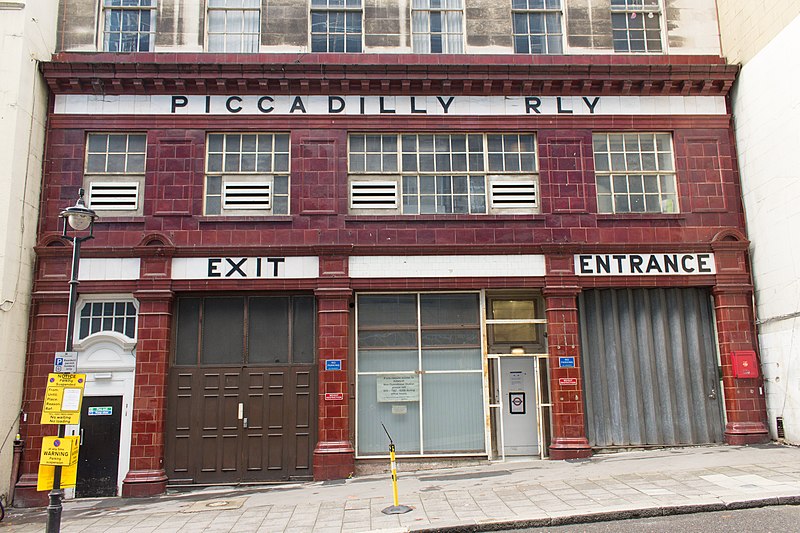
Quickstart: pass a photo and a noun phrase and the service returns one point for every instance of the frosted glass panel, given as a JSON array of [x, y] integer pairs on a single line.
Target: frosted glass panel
[[400, 418], [387, 360], [452, 359], [453, 413]]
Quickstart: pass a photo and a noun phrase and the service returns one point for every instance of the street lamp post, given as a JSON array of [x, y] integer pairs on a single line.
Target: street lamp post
[[79, 218]]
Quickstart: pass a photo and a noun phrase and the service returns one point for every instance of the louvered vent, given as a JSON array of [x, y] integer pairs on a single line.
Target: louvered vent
[[113, 196], [246, 195], [373, 194], [514, 194]]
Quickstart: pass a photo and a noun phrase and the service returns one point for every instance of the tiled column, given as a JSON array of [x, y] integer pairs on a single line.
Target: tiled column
[[146, 476], [334, 454], [566, 384], [745, 404], [47, 332]]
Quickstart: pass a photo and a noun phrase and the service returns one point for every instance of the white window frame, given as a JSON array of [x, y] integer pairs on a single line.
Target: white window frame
[[243, 177], [328, 8], [105, 12], [518, 154], [419, 372], [94, 176], [220, 6], [668, 201], [105, 299], [421, 15], [644, 9], [545, 10]]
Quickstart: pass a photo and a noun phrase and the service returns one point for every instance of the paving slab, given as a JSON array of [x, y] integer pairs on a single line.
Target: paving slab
[[488, 496]]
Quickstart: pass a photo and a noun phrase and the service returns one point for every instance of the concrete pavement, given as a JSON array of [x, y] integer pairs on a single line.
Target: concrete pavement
[[477, 498]]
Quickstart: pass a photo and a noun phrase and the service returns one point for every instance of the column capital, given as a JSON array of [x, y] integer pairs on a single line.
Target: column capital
[[561, 291], [334, 293]]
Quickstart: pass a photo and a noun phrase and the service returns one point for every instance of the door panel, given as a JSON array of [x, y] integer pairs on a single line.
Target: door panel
[[207, 442], [98, 458]]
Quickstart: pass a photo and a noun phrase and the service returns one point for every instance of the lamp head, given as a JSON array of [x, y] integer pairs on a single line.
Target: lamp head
[[79, 217]]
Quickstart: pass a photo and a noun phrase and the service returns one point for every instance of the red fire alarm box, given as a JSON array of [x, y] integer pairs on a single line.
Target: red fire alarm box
[[745, 364]]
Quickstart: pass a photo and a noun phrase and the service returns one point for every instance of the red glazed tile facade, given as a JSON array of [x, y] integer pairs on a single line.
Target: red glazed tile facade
[[173, 225]]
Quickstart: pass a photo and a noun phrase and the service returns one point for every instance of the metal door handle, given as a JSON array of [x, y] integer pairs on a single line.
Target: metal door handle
[[713, 394], [244, 421], [81, 440]]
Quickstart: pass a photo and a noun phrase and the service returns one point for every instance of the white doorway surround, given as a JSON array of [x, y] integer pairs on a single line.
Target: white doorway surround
[[109, 362]]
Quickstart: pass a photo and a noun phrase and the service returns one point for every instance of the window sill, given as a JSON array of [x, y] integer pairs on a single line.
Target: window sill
[[444, 218], [627, 217], [119, 219], [216, 219]]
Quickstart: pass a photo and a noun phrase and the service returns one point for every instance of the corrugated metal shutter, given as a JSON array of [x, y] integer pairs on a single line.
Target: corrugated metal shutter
[[649, 367]]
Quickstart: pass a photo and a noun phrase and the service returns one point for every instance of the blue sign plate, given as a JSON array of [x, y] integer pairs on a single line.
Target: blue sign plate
[[333, 364], [566, 362]]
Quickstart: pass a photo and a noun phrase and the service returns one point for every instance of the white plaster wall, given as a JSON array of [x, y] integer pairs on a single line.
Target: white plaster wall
[[767, 115], [27, 36]]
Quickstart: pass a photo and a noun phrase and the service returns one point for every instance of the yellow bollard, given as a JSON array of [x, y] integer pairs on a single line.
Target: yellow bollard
[[396, 508], [394, 476]]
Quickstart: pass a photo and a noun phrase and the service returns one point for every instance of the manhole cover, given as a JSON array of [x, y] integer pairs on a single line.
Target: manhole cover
[[216, 505]]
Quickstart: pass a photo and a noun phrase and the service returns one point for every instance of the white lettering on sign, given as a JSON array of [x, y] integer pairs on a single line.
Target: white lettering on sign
[[244, 267], [180, 104], [644, 264]]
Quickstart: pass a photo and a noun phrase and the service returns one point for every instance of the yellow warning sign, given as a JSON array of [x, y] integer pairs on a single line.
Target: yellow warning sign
[[62, 399], [59, 451], [47, 473]]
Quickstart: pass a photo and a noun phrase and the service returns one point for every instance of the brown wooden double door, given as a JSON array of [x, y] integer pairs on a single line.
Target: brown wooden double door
[[245, 424]]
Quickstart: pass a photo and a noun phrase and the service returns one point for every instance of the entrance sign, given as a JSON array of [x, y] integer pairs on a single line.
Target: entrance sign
[[59, 451], [245, 267], [398, 388], [65, 363], [62, 399], [105, 410], [645, 264]]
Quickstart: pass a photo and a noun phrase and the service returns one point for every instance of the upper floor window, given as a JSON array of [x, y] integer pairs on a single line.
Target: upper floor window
[[635, 173], [443, 173], [247, 174], [537, 26], [336, 25], [437, 26], [107, 316], [234, 25], [114, 175], [128, 25], [636, 25]]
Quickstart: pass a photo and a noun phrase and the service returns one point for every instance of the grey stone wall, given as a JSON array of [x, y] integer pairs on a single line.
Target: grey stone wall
[[284, 23], [81, 27], [383, 24], [488, 25]]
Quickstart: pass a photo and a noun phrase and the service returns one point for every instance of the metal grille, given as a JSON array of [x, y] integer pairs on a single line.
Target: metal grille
[[111, 196], [514, 194], [649, 367], [373, 194], [246, 195]]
